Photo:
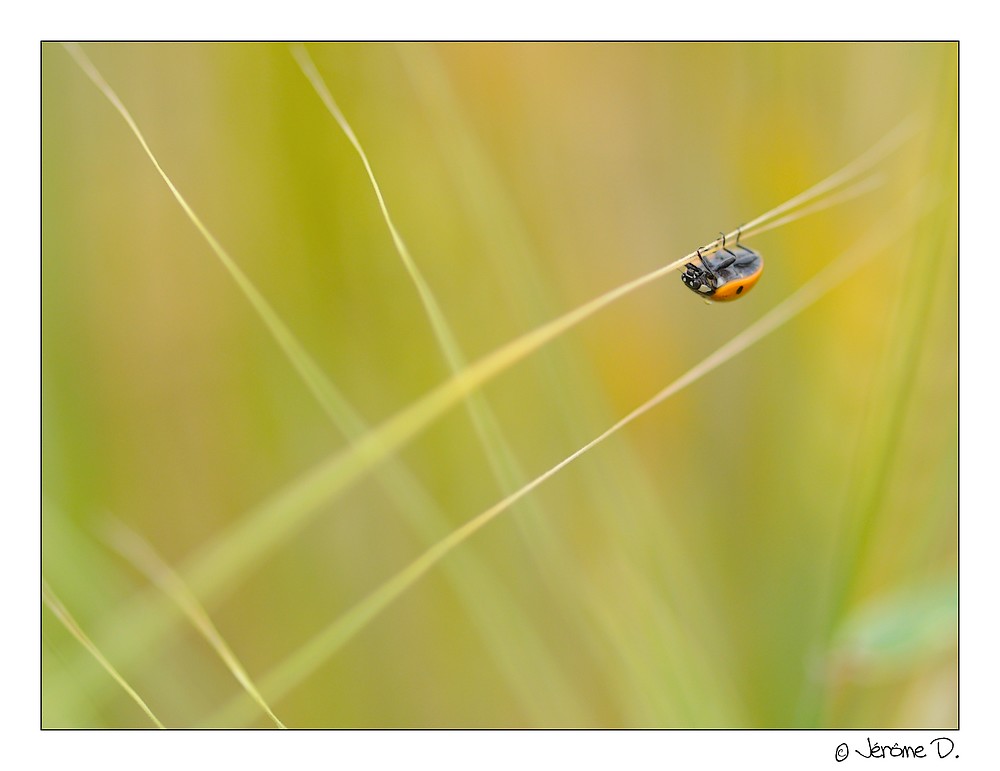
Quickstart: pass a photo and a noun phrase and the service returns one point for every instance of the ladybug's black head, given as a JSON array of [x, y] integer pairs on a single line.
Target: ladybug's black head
[[698, 280]]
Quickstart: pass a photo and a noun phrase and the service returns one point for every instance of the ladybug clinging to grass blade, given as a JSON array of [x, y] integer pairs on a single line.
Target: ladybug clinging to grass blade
[[727, 275]]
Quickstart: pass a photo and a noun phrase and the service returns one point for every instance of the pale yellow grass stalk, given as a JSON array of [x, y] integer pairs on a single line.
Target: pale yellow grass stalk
[[59, 610], [332, 402], [145, 559]]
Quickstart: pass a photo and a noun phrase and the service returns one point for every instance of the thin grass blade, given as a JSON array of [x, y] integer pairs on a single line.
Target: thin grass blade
[[54, 604]]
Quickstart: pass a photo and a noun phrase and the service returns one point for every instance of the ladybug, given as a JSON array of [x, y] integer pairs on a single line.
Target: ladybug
[[727, 275]]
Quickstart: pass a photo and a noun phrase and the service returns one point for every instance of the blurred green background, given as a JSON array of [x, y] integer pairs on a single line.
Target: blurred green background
[[775, 546]]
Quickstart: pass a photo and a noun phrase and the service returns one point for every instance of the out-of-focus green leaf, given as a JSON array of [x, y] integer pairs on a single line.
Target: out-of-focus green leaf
[[889, 634]]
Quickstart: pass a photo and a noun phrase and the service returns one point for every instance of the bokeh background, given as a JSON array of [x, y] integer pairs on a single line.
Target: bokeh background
[[775, 546]]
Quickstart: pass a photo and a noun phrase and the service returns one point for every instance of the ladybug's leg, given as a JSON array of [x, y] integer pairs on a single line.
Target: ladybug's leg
[[732, 257], [708, 269]]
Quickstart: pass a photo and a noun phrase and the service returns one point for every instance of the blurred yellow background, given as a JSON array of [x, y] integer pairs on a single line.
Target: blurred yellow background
[[775, 546]]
